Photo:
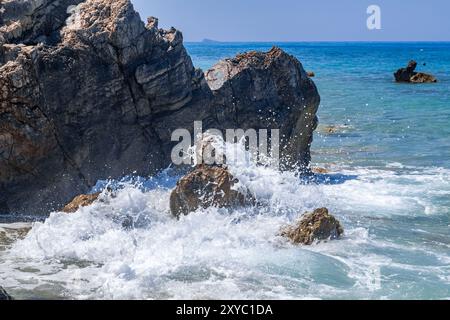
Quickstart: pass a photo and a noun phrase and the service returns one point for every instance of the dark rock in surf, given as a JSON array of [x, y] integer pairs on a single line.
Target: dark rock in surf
[[206, 187], [80, 201], [89, 92], [409, 75], [317, 226], [4, 295]]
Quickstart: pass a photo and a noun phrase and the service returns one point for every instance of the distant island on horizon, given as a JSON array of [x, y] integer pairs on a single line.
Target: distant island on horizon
[[210, 41]]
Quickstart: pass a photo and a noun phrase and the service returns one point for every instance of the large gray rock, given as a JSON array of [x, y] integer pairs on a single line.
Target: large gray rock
[[89, 92], [268, 91]]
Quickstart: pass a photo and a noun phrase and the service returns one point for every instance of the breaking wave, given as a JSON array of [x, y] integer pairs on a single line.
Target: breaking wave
[[128, 246]]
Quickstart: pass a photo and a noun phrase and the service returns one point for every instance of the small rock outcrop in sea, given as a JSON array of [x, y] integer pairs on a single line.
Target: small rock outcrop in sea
[[312, 227], [311, 74], [88, 92], [206, 187], [4, 295], [83, 200], [409, 75]]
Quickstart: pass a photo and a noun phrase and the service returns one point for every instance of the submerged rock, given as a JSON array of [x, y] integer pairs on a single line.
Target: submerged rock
[[89, 92], [409, 75], [320, 170], [333, 129], [206, 187], [316, 226], [4, 295], [83, 200]]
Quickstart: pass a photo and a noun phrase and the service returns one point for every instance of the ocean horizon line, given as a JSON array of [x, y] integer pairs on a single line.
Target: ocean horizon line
[[318, 41]]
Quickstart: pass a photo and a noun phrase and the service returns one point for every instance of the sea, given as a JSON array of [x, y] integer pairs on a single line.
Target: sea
[[386, 150]]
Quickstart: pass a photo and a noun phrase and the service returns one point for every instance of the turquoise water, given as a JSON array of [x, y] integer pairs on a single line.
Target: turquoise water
[[388, 122], [397, 134], [388, 156]]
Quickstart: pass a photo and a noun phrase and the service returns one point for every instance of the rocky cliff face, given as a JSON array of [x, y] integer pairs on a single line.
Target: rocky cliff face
[[88, 92]]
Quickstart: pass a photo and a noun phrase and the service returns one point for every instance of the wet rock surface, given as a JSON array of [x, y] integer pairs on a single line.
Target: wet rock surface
[[316, 226], [409, 75], [206, 187], [90, 92], [83, 200], [268, 91]]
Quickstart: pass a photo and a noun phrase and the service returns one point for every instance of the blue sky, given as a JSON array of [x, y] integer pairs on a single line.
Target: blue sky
[[301, 20]]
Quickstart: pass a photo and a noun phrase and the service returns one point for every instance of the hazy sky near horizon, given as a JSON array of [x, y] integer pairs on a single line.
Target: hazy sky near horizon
[[301, 20]]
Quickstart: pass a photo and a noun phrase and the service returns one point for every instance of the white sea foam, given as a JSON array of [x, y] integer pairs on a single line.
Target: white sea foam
[[213, 253]]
